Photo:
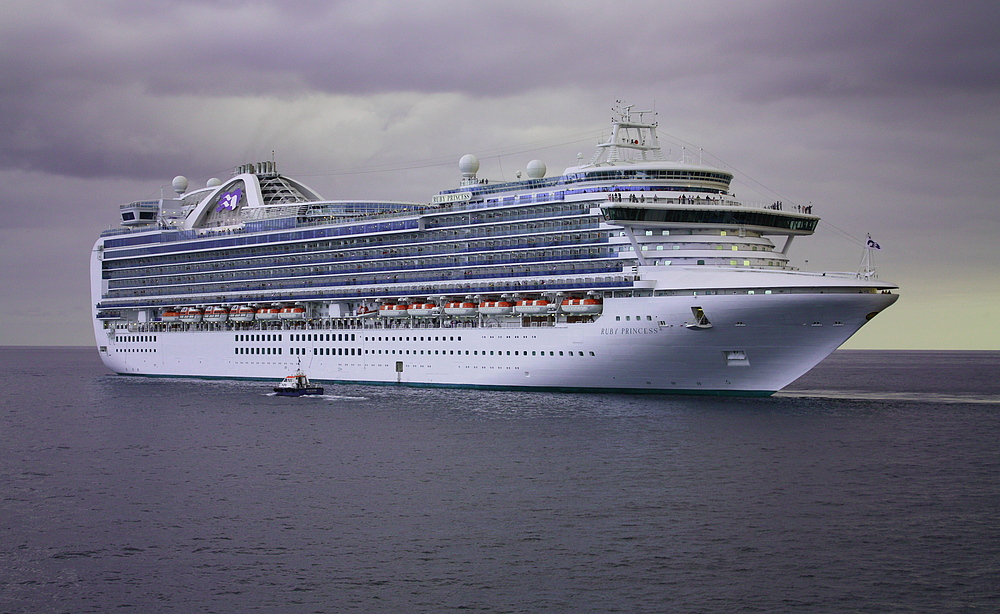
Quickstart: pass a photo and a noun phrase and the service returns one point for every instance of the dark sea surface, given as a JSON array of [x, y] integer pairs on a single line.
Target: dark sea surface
[[871, 485]]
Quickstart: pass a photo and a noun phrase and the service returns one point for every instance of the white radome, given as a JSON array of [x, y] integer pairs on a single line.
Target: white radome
[[469, 165], [180, 184], [536, 169]]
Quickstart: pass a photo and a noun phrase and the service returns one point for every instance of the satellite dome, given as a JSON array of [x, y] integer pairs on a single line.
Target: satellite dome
[[180, 184], [213, 182], [536, 169], [469, 165]]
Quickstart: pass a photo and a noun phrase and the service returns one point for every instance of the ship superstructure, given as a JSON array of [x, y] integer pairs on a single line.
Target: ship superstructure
[[629, 272]]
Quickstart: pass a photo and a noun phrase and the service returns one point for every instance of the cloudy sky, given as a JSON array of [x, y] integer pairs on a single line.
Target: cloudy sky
[[884, 115]]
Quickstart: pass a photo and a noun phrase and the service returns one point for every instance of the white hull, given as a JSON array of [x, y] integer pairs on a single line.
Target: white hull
[[757, 345], [631, 272]]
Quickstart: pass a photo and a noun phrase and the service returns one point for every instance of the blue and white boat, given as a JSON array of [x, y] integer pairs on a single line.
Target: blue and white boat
[[297, 385]]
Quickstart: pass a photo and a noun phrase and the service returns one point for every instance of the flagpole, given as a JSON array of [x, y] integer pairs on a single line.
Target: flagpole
[[867, 268]]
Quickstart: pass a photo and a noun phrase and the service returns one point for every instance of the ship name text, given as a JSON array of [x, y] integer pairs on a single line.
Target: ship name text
[[630, 331]]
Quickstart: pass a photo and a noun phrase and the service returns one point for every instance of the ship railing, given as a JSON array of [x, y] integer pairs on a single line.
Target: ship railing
[[566, 264], [609, 266], [174, 235], [347, 323], [546, 238], [141, 280], [701, 201], [557, 284], [466, 218], [292, 223]]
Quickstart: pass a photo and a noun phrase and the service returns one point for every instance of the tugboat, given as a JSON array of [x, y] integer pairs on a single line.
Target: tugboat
[[296, 385]]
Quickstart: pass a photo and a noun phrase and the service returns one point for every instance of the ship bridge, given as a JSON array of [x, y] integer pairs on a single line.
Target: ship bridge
[[709, 213]]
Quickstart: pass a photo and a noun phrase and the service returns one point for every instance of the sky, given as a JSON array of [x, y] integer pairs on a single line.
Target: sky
[[885, 116]]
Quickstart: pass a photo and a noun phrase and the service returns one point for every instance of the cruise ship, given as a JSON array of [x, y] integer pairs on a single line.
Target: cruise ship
[[630, 272]]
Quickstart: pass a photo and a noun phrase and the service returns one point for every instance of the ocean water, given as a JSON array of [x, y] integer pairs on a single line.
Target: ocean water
[[870, 485]]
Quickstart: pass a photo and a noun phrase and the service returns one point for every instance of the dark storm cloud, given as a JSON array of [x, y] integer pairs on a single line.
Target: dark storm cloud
[[871, 49], [87, 85], [495, 48]]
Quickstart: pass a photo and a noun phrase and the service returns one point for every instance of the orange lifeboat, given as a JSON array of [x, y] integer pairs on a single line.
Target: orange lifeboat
[[582, 305], [532, 306], [496, 308], [268, 313], [241, 313], [397, 310], [423, 310], [170, 315], [294, 312], [460, 309], [216, 313], [366, 312], [191, 314]]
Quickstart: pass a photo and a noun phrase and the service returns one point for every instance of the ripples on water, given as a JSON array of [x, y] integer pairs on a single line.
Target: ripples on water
[[870, 485]]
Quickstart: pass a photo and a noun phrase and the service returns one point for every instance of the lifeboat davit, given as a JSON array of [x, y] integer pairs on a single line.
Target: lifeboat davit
[[460, 309], [216, 313], [496, 308], [582, 305], [170, 315], [532, 306], [393, 311], [241, 313], [268, 313], [423, 310], [294, 312], [191, 314]]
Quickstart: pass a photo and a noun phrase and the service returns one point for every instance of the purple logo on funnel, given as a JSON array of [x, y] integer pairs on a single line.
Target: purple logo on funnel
[[230, 200]]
